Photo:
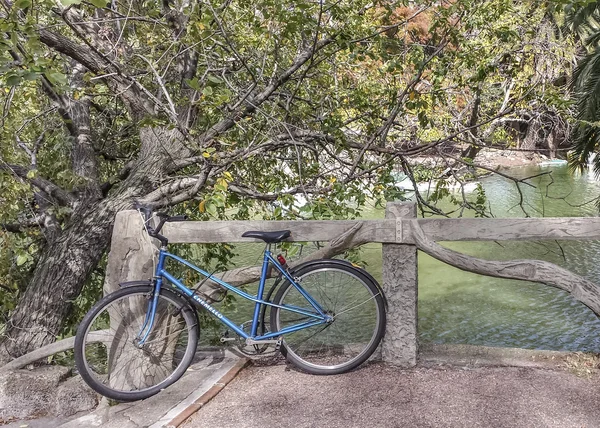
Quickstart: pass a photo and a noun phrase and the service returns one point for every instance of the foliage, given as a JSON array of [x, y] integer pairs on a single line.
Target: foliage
[[249, 109], [583, 21]]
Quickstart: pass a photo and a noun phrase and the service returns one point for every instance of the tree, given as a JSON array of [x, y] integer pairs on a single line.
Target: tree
[[583, 20], [208, 106]]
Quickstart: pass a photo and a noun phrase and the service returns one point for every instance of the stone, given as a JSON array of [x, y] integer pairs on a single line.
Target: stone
[[30, 393], [74, 396], [399, 275]]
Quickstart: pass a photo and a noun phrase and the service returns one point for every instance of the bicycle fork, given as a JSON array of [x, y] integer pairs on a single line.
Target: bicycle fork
[[149, 318]]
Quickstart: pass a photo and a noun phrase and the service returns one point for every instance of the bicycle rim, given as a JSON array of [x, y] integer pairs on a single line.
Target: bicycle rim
[[359, 320], [111, 358]]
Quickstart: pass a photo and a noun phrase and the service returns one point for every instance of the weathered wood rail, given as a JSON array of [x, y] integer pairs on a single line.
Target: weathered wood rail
[[394, 231], [401, 234]]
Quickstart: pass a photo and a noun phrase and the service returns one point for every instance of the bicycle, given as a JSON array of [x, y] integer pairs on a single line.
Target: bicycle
[[326, 317]]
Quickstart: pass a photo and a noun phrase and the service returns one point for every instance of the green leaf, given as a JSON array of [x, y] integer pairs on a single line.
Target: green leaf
[[193, 83], [56, 78], [31, 173], [13, 80], [211, 207], [21, 259], [22, 4], [30, 75], [99, 3], [70, 2], [214, 79]]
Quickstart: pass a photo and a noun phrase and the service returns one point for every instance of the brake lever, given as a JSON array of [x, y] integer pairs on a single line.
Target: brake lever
[[146, 213]]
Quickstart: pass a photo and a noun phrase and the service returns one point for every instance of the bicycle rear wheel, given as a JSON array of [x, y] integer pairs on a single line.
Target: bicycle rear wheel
[[107, 350], [358, 309]]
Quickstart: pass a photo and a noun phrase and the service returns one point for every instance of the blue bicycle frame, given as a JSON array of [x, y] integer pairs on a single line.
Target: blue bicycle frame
[[317, 314]]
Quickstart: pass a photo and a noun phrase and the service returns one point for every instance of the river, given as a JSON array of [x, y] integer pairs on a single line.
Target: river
[[460, 307], [463, 308]]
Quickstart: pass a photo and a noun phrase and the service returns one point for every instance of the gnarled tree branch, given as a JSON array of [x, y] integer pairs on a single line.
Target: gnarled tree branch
[[547, 273], [51, 189]]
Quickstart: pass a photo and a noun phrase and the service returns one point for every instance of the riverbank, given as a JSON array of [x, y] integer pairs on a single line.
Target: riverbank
[[503, 159], [495, 159]]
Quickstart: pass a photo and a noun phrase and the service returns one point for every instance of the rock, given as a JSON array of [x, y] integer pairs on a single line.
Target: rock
[[74, 396], [46, 390], [27, 393]]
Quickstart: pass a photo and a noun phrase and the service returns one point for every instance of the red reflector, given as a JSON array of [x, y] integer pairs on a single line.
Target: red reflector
[[281, 259]]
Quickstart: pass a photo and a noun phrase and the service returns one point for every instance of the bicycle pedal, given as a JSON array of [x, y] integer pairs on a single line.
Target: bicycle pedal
[[228, 339]]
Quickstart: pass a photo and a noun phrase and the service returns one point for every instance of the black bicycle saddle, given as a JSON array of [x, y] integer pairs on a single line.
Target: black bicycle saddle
[[268, 237]]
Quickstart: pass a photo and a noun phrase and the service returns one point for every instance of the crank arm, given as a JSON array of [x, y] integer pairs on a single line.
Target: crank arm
[[250, 341]]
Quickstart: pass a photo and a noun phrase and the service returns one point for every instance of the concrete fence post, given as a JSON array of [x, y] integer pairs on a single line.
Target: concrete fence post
[[132, 252], [399, 274]]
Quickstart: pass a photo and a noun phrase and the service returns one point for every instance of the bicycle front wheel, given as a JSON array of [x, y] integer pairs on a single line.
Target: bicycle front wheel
[[113, 360], [358, 309]]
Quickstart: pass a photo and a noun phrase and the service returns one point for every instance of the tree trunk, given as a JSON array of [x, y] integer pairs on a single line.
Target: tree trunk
[[534, 132], [65, 265], [58, 278]]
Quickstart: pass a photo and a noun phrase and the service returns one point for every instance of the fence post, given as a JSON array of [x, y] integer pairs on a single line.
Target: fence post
[[131, 252], [399, 274]]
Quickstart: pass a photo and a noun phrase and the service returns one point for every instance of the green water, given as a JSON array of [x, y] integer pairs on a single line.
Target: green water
[[460, 307]]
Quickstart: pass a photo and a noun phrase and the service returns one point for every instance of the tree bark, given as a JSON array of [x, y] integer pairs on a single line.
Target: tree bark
[[533, 135], [65, 265], [57, 281]]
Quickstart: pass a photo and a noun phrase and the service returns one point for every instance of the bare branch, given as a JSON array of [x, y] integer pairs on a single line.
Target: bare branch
[[21, 226], [51, 189], [177, 191], [37, 116], [253, 102], [173, 113], [277, 142], [168, 189], [135, 95], [254, 194], [7, 104]]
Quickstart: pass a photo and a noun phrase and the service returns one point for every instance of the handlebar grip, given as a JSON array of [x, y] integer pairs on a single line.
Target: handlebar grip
[[178, 218]]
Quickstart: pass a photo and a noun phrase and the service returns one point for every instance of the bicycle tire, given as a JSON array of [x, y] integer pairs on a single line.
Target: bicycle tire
[[108, 358], [357, 305]]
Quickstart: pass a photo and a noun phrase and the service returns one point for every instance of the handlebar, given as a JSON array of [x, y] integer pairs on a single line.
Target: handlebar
[[164, 218]]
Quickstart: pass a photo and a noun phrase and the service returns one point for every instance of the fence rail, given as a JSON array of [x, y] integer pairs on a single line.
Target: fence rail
[[396, 231], [400, 233]]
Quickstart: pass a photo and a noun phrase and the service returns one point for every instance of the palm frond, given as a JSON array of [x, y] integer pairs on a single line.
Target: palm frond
[[586, 88], [579, 19]]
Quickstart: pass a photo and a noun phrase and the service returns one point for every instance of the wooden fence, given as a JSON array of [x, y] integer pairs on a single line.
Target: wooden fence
[[401, 234]]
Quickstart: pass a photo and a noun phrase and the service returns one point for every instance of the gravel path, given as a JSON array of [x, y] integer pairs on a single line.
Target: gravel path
[[378, 395]]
